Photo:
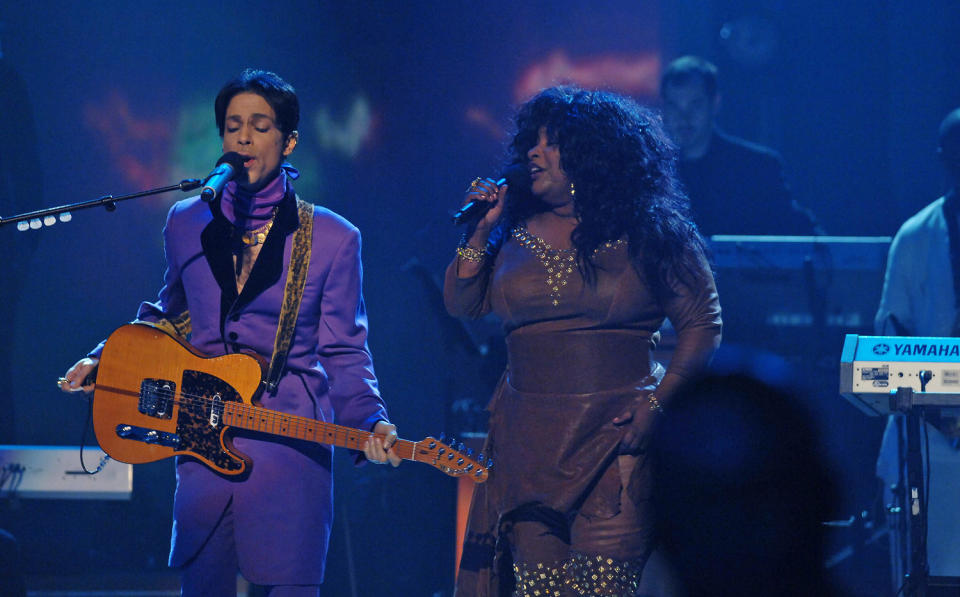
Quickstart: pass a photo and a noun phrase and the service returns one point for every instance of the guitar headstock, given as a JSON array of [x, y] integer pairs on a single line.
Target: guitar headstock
[[452, 459]]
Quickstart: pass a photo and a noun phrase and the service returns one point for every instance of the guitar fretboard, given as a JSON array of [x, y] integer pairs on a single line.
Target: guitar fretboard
[[272, 422]]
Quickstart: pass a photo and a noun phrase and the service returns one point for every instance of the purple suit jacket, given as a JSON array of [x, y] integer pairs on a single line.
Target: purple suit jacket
[[284, 508]]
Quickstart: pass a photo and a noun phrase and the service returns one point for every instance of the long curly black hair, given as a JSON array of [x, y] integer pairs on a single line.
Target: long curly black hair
[[622, 166]]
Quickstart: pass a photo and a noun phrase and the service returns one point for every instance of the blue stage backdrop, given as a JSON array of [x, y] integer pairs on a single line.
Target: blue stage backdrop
[[403, 103]]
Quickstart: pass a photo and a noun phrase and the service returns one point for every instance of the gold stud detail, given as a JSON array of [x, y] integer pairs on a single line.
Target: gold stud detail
[[553, 260]]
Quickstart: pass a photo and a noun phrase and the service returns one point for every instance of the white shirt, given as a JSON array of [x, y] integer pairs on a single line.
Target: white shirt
[[918, 286]]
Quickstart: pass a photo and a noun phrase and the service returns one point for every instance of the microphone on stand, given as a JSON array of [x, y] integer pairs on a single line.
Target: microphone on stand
[[228, 167], [513, 175]]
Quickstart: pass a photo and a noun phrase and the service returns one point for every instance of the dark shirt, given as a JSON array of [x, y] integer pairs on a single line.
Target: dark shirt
[[738, 187]]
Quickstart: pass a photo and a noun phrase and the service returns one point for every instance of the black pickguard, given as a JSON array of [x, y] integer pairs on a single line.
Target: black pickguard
[[205, 395]]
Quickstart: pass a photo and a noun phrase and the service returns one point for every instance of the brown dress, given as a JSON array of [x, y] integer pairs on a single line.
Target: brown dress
[[578, 356]]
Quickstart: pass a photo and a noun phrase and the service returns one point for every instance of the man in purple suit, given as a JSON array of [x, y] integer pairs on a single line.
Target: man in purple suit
[[227, 267]]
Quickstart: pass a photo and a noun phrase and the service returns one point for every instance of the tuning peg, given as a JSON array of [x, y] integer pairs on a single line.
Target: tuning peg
[[442, 436], [469, 467], [460, 447], [469, 451], [490, 464], [441, 451], [452, 443], [432, 444], [481, 457]]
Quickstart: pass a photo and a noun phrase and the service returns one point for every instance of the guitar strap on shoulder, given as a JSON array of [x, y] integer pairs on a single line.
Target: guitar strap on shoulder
[[292, 294], [178, 326]]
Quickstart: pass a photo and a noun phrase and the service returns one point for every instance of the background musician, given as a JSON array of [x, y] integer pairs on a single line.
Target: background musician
[[920, 298]]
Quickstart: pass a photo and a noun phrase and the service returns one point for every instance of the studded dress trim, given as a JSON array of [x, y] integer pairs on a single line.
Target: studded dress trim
[[538, 580], [559, 263], [580, 574]]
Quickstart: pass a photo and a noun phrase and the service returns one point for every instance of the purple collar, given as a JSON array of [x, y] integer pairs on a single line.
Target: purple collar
[[247, 210]]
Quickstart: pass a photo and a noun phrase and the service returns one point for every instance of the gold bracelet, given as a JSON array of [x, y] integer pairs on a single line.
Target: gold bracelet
[[654, 403], [468, 253]]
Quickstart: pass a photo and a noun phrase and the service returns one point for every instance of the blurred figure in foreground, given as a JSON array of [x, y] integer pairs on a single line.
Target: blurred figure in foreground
[[741, 491], [21, 190]]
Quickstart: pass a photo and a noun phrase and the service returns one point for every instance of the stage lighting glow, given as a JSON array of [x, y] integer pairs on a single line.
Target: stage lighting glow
[[138, 146], [636, 74], [346, 136]]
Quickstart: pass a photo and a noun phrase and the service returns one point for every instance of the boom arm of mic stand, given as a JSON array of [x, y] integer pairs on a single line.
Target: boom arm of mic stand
[[49, 215]]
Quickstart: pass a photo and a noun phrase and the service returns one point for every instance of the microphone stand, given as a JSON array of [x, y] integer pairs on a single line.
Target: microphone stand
[[49, 216]]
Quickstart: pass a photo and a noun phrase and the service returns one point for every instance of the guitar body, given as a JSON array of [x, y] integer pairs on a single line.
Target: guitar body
[[156, 397]]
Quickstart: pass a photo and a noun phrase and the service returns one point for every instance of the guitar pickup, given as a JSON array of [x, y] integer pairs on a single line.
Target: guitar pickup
[[216, 410], [156, 398]]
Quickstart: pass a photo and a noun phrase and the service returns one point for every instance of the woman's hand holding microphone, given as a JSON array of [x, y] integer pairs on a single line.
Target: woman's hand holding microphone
[[483, 204]]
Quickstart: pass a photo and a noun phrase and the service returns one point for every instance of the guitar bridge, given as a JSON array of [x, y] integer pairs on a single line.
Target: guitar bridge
[[156, 398], [148, 436]]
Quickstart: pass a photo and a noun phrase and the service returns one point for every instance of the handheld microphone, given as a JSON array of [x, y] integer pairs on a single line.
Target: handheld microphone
[[228, 166], [513, 175]]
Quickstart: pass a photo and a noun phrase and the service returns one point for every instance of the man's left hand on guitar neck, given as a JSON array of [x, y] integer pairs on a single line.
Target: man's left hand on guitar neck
[[378, 452]]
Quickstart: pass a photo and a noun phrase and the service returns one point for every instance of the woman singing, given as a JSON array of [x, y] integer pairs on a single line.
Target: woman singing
[[583, 266]]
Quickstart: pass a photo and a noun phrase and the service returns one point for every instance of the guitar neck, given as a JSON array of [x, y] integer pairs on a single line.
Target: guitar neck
[[264, 420]]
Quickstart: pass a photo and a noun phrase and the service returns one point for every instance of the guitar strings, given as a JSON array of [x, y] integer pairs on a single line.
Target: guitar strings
[[310, 427], [271, 418]]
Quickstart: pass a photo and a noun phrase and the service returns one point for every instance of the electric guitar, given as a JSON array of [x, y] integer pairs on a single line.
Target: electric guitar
[[157, 397]]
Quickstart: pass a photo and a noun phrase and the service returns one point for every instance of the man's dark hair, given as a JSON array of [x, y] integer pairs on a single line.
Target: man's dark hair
[[689, 68], [277, 92]]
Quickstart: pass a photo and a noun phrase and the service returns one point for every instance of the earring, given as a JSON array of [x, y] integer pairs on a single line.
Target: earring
[[573, 191]]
